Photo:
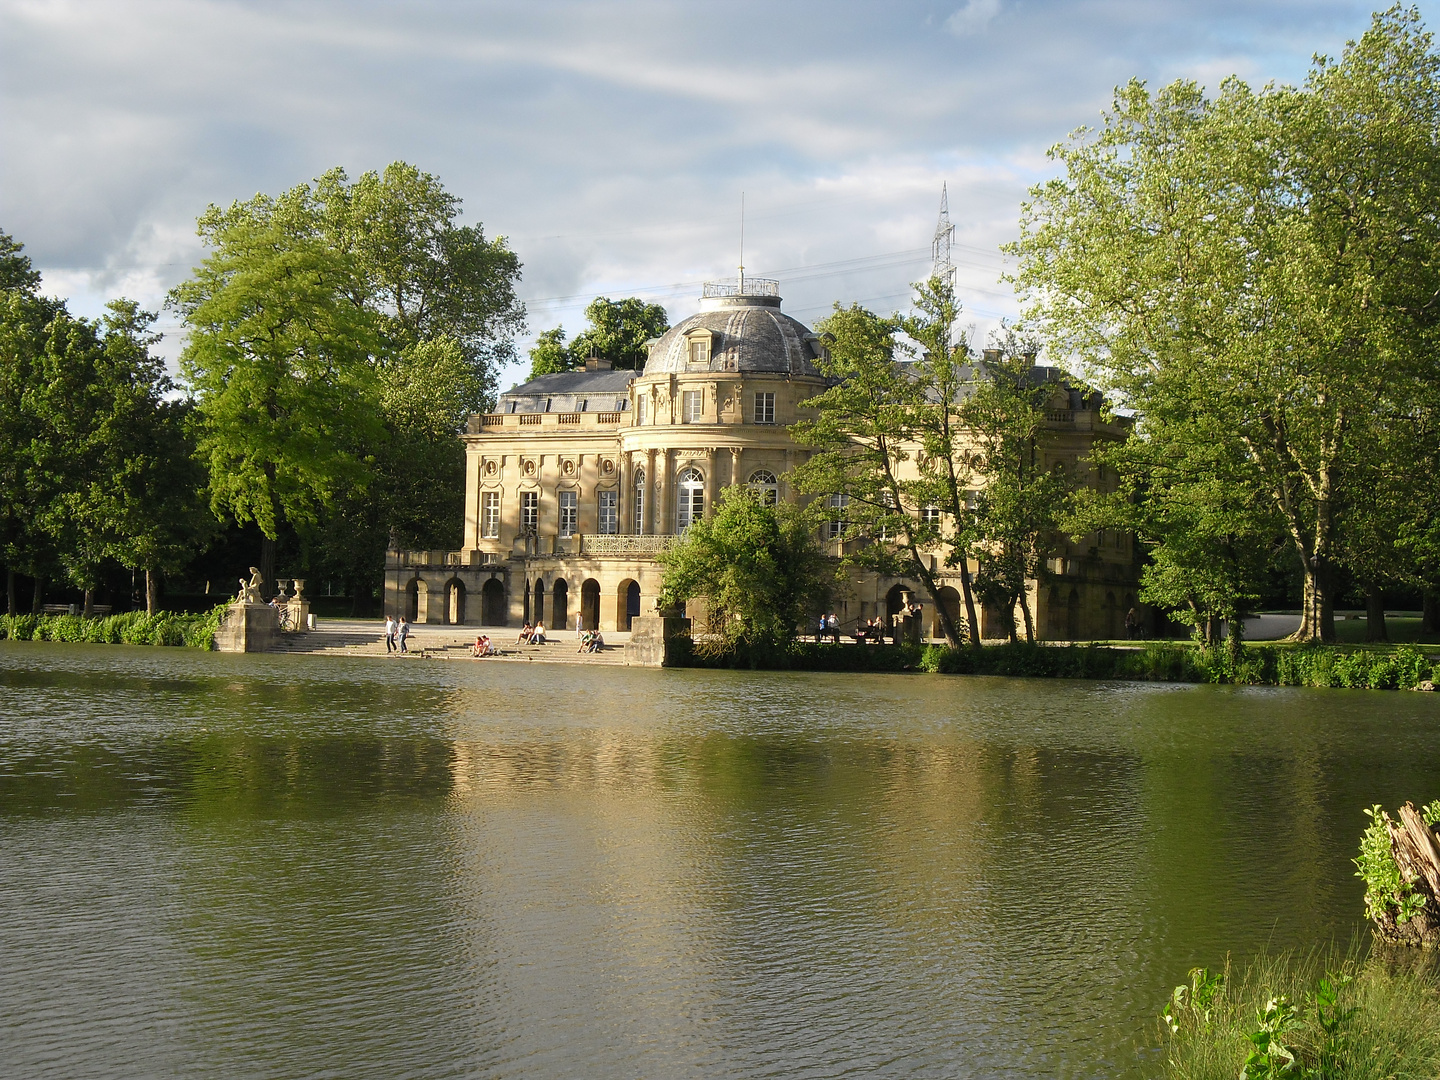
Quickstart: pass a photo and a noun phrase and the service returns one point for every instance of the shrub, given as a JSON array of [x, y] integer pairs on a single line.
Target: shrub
[[131, 628]]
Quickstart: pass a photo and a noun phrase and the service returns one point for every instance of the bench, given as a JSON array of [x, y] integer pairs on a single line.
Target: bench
[[97, 610]]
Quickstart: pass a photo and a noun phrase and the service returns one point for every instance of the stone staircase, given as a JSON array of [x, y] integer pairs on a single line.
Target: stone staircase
[[354, 638]]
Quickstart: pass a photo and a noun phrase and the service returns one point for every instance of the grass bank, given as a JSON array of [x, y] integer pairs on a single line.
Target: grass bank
[[1327, 1013], [1404, 668], [131, 628]]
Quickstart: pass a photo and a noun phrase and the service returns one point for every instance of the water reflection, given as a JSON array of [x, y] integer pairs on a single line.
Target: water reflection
[[289, 866]]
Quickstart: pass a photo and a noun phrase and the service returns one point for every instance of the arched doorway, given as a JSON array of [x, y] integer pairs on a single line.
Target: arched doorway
[[417, 601], [559, 605], [590, 603], [537, 602], [1072, 616], [950, 602], [492, 603], [455, 602], [766, 486], [628, 597], [895, 609], [690, 499]]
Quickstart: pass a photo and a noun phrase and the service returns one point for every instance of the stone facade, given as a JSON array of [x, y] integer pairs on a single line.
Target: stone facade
[[580, 479]]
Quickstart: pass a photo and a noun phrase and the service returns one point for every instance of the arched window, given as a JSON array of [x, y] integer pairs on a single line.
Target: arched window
[[690, 501], [639, 501], [765, 483]]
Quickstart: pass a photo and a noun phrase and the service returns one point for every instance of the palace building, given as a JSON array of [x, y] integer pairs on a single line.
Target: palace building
[[581, 479]]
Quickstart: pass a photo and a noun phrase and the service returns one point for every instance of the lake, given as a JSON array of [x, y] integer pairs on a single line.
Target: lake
[[287, 866]]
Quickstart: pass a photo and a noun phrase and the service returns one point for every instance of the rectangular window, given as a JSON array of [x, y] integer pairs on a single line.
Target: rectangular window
[[609, 512], [765, 407], [930, 515], [690, 407], [640, 411], [569, 500], [699, 351], [836, 526], [529, 511], [490, 515]]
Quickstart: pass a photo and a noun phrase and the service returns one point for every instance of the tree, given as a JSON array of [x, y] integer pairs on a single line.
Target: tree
[[280, 361], [863, 436], [1019, 501], [756, 564], [942, 376], [1265, 258], [618, 331], [31, 458], [423, 275]]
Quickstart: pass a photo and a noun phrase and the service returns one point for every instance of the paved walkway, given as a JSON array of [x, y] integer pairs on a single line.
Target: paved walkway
[[366, 637]]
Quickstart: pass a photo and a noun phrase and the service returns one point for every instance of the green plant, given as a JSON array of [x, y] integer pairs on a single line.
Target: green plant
[[1270, 1057], [1193, 1003], [1387, 896]]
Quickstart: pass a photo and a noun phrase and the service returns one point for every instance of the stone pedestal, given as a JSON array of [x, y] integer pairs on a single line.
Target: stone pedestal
[[651, 637], [248, 628]]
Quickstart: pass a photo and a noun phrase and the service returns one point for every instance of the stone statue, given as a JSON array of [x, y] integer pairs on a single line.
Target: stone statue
[[250, 590]]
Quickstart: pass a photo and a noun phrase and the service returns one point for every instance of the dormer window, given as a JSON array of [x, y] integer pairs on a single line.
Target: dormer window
[[698, 349]]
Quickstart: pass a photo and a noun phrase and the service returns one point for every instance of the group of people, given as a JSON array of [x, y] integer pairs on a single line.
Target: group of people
[[396, 632], [875, 631], [590, 641], [483, 647], [531, 635], [829, 626]]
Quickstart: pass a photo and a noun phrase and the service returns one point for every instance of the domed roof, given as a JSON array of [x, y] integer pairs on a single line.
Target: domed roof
[[748, 333]]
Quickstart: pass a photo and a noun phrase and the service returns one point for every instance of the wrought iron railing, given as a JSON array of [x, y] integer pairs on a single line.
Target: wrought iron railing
[[750, 286]]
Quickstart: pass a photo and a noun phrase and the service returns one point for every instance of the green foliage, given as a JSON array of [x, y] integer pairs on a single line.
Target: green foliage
[[548, 356], [616, 331], [801, 656], [131, 628], [1321, 1016], [1389, 899], [1283, 304], [757, 566]]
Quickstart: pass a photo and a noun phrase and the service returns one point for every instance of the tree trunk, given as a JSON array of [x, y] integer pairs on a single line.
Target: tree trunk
[[268, 587], [1375, 615], [1317, 611], [969, 595], [37, 600], [89, 608], [1029, 620], [9, 591], [1235, 641], [1212, 632], [152, 592], [1430, 614]]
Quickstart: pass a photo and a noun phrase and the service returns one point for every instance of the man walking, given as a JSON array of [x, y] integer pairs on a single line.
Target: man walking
[[389, 634], [403, 632]]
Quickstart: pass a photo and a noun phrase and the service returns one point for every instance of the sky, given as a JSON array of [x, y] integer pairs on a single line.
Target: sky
[[609, 143]]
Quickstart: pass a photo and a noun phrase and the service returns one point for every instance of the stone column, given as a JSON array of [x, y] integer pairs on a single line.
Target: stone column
[[787, 493], [711, 487], [622, 500], [647, 525], [735, 465], [664, 516]]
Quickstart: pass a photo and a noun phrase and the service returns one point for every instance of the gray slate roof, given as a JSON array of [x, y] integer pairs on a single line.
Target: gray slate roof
[[754, 337], [571, 391]]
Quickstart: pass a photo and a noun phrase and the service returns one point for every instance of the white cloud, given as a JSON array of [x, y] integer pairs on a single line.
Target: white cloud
[[974, 18]]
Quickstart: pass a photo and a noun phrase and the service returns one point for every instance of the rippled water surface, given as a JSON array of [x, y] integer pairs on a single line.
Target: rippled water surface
[[299, 866]]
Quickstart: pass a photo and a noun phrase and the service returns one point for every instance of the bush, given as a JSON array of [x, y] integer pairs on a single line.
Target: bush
[[1323, 1014], [132, 628]]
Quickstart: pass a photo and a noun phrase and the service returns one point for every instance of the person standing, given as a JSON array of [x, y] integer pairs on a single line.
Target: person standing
[[579, 621], [1132, 623], [389, 633], [403, 632]]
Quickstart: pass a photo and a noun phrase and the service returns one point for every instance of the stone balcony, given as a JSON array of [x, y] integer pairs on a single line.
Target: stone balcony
[[494, 423]]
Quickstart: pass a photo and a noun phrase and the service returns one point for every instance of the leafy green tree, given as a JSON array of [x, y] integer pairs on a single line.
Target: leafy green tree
[[1265, 258], [423, 275], [943, 377], [549, 355], [31, 458], [862, 439], [756, 564], [280, 359], [617, 332], [1019, 500]]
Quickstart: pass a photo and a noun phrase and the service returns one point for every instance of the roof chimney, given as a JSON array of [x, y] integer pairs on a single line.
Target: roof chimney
[[594, 363], [992, 356]]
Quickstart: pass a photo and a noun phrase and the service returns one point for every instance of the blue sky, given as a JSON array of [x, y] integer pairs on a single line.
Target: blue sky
[[610, 142]]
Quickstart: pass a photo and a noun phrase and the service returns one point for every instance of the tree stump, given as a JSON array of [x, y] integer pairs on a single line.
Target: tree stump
[[1416, 848]]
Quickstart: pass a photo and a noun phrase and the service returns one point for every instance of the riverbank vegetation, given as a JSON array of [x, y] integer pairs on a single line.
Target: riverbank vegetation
[[1325, 1013], [1405, 668], [130, 628]]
